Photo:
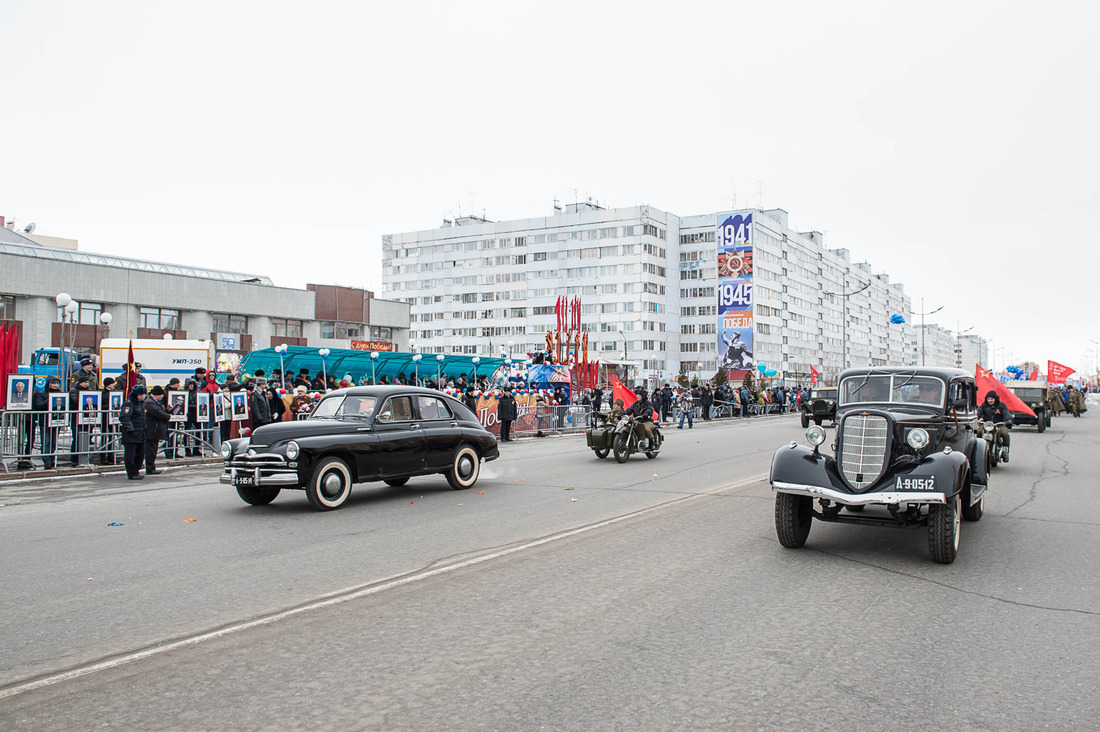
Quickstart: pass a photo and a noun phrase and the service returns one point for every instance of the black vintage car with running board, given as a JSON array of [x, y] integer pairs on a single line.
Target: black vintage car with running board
[[906, 449], [366, 433]]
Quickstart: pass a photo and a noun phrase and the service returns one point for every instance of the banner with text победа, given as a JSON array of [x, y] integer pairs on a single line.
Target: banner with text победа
[[735, 331]]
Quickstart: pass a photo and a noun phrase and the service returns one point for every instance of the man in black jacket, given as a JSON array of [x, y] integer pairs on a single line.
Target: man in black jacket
[[506, 414], [993, 410], [156, 428], [132, 419]]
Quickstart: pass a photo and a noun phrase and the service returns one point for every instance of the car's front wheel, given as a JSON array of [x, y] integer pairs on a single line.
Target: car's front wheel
[[1042, 423], [464, 468], [793, 518], [805, 420], [257, 495], [330, 485], [943, 530]]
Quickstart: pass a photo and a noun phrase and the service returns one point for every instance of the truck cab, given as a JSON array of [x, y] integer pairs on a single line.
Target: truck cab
[[46, 362]]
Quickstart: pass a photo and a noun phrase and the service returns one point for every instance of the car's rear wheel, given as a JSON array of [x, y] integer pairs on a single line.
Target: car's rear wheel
[[257, 495], [944, 529], [805, 420], [793, 518], [602, 452], [396, 482], [619, 447], [330, 485], [465, 467]]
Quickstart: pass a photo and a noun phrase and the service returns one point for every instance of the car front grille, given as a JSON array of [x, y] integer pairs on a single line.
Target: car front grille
[[863, 443], [263, 460]]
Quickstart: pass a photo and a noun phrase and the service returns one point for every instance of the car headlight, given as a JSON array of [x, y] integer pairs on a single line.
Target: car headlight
[[227, 450], [987, 426], [292, 450], [1034, 406], [917, 439], [815, 434]]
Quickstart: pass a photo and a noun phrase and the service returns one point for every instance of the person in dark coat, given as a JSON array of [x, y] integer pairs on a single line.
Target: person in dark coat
[[707, 401], [156, 428], [191, 426], [506, 414], [470, 400], [259, 407], [597, 399], [132, 419]]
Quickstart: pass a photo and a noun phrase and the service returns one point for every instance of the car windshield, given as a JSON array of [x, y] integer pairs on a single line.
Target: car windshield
[[824, 393], [893, 389], [1033, 394], [337, 407]]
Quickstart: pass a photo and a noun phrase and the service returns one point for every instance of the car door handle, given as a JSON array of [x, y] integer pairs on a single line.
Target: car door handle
[[413, 426], [454, 424], [362, 429]]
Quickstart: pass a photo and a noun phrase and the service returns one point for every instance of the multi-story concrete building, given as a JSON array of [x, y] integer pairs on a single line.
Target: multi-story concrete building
[[971, 350], [648, 280], [934, 345], [150, 299]]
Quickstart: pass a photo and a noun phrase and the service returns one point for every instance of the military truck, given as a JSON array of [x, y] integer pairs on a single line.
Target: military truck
[[1033, 394]]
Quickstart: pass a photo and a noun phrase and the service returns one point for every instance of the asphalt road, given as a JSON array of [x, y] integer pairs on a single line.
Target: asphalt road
[[658, 599]]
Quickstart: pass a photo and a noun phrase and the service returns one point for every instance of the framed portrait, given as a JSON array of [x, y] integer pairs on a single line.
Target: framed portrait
[[115, 404], [240, 406], [59, 410], [89, 407], [20, 387], [221, 406], [202, 407], [177, 405]]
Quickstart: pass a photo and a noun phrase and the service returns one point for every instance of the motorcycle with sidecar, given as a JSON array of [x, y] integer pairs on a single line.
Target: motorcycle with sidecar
[[623, 438]]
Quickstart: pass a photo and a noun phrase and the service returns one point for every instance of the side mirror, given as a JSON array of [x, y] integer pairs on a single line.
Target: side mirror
[[385, 417], [960, 404]]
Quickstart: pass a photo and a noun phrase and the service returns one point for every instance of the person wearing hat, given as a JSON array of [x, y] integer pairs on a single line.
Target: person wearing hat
[[85, 372], [506, 413], [302, 379], [994, 410], [156, 427], [132, 420], [79, 432], [616, 412]]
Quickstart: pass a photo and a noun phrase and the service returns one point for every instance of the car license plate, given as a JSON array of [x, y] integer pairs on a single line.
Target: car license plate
[[244, 480], [916, 484]]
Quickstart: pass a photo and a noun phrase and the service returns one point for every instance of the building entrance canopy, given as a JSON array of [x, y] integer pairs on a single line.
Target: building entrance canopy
[[390, 364]]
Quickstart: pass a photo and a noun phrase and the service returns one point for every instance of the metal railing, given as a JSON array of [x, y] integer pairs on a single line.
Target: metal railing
[[59, 439]]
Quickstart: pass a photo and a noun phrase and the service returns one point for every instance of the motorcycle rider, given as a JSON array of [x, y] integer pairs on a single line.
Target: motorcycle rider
[[993, 410], [616, 412], [642, 411]]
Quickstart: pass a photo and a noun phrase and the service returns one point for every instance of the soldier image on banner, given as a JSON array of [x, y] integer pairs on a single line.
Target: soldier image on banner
[[735, 341]]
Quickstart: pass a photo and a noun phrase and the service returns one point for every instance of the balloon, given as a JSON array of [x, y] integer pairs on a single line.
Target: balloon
[[762, 367], [771, 372]]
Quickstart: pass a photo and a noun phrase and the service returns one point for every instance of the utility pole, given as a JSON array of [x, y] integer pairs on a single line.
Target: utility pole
[[930, 312]]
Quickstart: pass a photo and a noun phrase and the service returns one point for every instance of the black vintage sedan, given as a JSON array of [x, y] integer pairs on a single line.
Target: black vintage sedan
[[906, 449], [367, 433]]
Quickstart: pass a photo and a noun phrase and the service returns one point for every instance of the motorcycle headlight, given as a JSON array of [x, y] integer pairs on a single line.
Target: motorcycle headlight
[[815, 434], [987, 426], [227, 450], [917, 439], [292, 450]]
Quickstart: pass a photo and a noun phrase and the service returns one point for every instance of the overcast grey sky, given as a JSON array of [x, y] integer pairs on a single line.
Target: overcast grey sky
[[951, 144]]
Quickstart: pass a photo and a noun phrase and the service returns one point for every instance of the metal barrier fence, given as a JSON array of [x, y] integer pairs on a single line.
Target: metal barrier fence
[[57, 439], [551, 420]]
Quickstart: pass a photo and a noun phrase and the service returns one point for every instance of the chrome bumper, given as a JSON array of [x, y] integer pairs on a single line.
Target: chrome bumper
[[859, 499], [265, 477]]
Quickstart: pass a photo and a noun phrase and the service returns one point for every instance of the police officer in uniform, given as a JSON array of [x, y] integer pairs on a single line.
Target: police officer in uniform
[[132, 419]]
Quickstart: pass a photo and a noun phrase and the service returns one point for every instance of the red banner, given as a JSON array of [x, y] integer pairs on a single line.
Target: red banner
[[813, 376], [1057, 373], [987, 383]]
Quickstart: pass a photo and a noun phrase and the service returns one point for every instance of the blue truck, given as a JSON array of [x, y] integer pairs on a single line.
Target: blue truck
[[46, 362]]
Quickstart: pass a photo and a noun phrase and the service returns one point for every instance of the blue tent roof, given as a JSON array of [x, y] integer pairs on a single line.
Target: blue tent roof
[[342, 361]]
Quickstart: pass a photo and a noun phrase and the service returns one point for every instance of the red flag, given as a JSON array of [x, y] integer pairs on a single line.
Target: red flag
[[813, 376], [618, 391], [987, 383], [131, 377], [1034, 375], [3, 366], [1057, 373]]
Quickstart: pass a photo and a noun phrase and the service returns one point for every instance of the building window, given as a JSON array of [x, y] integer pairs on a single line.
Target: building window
[[87, 314], [7, 307], [160, 319], [382, 334], [344, 331], [226, 323], [287, 327]]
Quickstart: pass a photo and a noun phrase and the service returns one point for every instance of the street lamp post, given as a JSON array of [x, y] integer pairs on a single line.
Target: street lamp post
[[438, 369], [416, 369], [281, 349], [958, 344], [323, 353], [373, 359], [922, 314], [844, 294]]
